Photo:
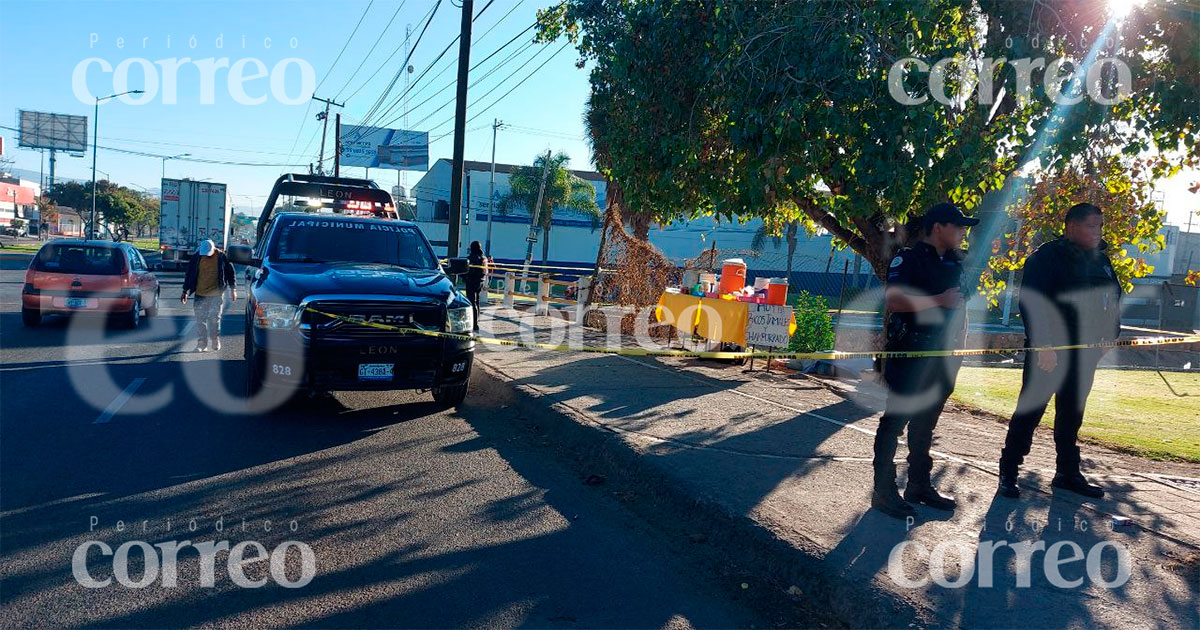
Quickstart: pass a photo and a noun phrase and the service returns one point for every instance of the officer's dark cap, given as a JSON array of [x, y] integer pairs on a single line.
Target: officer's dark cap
[[947, 213]]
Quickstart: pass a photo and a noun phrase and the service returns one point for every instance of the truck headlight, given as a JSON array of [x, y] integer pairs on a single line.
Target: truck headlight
[[270, 315], [459, 320]]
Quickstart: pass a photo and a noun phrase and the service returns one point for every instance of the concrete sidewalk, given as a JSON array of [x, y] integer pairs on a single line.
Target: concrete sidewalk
[[789, 457]]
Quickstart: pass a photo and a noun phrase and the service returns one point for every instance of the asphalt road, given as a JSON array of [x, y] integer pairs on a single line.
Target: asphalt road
[[415, 517]]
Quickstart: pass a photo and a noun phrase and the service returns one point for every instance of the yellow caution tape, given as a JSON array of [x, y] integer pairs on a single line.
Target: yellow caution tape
[[831, 355]]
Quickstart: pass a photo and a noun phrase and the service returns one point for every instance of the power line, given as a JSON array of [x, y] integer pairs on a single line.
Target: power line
[[346, 45], [176, 158], [380, 67], [510, 91], [308, 106], [502, 62], [474, 83], [382, 97], [369, 53], [417, 81], [420, 88]]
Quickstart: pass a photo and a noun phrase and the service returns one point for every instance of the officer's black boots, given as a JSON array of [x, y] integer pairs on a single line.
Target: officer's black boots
[[927, 495], [889, 502], [1008, 486], [1078, 484]]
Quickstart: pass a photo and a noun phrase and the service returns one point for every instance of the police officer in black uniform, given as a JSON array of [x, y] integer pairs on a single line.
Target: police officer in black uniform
[[1070, 295], [925, 302]]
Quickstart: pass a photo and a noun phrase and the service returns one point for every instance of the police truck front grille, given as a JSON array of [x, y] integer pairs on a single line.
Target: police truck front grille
[[344, 326]]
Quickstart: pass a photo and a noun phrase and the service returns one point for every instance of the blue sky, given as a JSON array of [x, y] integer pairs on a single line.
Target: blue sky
[[42, 43]]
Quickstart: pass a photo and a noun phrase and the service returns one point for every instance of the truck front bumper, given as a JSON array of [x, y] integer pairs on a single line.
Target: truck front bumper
[[287, 359]]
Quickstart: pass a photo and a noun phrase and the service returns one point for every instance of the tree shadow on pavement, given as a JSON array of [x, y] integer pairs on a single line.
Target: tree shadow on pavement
[[551, 553]]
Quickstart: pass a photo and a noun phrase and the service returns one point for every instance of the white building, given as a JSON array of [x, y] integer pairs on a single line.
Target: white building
[[574, 242]]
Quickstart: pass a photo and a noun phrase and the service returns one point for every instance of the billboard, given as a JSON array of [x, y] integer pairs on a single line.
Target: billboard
[[62, 132], [376, 147]]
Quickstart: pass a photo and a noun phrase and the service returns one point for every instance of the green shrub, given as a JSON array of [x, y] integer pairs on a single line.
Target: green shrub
[[814, 326]]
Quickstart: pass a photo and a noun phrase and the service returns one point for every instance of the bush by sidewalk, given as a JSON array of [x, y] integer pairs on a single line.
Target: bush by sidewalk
[[814, 326]]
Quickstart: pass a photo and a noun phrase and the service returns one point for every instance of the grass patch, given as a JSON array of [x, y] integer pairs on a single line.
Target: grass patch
[[149, 244], [21, 248], [1131, 411]]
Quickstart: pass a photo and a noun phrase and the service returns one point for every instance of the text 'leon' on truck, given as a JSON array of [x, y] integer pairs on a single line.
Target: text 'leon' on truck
[[191, 211]]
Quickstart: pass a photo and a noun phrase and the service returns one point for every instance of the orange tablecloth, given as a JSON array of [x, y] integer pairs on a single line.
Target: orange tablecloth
[[718, 320]]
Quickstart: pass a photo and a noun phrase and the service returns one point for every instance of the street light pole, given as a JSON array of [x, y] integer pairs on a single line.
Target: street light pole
[[496, 125], [95, 139]]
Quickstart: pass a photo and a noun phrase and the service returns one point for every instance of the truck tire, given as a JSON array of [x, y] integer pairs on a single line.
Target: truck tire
[[254, 380], [450, 395], [30, 317]]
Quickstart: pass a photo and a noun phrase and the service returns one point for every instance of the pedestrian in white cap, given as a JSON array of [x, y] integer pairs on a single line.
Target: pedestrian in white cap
[[209, 273]]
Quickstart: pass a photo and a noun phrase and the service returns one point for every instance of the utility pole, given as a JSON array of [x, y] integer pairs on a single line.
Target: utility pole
[[533, 222], [460, 123], [323, 116], [337, 148], [496, 125]]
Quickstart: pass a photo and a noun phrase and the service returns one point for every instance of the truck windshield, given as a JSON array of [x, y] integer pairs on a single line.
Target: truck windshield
[[339, 240]]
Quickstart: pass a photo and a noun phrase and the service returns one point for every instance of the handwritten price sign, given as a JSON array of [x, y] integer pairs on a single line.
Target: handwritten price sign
[[767, 326]]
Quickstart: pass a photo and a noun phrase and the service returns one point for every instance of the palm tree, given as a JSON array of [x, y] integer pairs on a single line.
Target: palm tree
[[789, 233], [564, 190]]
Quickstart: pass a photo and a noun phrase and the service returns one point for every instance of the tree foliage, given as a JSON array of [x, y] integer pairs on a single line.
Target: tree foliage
[[754, 109], [563, 189], [124, 209]]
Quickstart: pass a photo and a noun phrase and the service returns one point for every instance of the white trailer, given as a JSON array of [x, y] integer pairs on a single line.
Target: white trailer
[[191, 212]]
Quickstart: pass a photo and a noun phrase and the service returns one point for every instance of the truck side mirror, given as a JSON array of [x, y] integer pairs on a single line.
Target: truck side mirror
[[457, 266], [243, 255]]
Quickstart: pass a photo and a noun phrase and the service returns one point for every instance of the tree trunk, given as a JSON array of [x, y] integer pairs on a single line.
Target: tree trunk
[[641, 226], [545, 242]]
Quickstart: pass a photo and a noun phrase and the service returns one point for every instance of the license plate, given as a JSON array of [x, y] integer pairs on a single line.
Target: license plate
[[77, 302], [375, 371]]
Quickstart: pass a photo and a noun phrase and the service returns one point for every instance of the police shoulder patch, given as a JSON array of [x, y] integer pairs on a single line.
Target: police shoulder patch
[[897, 261]]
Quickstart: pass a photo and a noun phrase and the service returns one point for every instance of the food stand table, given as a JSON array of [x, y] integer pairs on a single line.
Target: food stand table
[[714, 319]]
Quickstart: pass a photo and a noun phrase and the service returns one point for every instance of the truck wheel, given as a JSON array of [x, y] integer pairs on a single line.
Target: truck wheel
[[450, 396], [152, 311], [30, 317], [254, 380]]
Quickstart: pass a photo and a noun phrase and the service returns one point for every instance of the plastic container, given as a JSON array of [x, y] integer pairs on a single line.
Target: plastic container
[[733, 275], [690, 277], [709, 282], [777, 290]]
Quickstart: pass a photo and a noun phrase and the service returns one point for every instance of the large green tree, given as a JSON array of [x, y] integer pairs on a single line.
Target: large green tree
[[563, 189], [729, 108]]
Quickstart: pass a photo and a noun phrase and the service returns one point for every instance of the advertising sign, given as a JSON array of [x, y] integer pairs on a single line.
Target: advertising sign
[[376, 147], [62, 132]]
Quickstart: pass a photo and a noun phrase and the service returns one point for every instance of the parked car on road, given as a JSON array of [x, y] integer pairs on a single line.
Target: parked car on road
[[74, 276]]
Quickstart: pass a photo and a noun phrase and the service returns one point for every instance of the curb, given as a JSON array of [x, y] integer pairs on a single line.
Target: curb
[[737, 543]]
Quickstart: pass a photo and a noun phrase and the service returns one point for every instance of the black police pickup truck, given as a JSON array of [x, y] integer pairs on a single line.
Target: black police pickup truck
[[323, 276]]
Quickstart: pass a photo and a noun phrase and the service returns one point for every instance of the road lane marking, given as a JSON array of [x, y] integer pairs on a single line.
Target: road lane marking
[[119, 401]]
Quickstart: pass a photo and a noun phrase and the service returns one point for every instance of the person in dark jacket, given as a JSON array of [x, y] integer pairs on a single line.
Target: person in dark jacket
[[209, 273], [476, 276], [925, 304], [1070, 295]]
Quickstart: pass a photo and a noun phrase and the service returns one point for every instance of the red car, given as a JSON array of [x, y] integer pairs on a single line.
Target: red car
[[70, 276]]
